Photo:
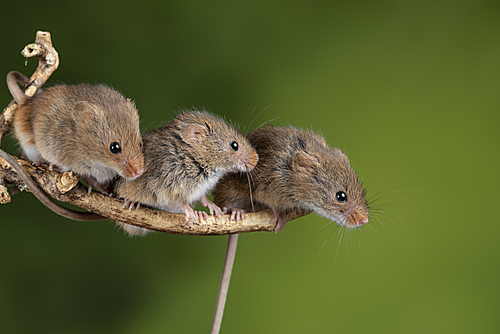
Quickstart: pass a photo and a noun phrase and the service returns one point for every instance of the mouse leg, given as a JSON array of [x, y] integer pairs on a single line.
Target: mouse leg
[[279, 218], [92, 182], [204, 201]]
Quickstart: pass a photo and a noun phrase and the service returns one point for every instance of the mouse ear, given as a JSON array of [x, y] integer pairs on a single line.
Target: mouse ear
[[304, 162], [340, 155], [86, 112], [194, 134]]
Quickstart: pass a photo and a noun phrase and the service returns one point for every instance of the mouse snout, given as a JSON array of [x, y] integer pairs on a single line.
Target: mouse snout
[[357, 218], [248, 161], [132, 169]]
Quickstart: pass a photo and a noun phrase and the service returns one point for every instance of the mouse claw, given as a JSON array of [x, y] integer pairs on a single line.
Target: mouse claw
[[130, 205], [191, 215], [237, 214], [201, 215], [212, 207]]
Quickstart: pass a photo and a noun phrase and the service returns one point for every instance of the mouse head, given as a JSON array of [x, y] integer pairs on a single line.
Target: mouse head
[[216, 144], [111, 128], [326, 183]]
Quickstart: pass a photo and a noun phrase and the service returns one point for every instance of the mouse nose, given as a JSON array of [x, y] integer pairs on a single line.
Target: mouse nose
[[362, 221], [357, 219], [139, 172], [132, 169]]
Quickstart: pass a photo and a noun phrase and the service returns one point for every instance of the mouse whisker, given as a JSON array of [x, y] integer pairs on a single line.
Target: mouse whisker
[[327, 237], [246, 120], [339, 239], [250, 189], [260, 113], [389, 215], [315, 235], [380, 195], [360, 238]]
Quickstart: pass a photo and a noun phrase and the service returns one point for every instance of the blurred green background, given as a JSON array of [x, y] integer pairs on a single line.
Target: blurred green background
[[408, 89]]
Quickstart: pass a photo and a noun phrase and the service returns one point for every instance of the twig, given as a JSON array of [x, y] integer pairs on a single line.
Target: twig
[[48, 61], [66, 188]]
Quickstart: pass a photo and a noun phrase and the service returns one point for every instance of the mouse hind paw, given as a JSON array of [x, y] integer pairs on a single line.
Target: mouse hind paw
[[236, 214], [279, 219]]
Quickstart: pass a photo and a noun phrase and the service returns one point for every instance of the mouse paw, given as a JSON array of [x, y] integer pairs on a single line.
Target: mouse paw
[[191, 215], [130, 205], [202, 215], [53, 167], [279, 218], [236, 214], [92, 182], [212, 207]]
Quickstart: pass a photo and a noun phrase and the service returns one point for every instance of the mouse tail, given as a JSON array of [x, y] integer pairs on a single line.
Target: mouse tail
[[224, 283], [13, 78], [42, 197]]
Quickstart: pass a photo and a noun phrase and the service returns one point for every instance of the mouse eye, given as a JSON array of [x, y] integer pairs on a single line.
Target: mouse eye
[[341, 197], [115, 148], [234, 146]]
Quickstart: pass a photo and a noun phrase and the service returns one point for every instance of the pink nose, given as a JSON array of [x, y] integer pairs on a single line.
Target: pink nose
[[362, 221]]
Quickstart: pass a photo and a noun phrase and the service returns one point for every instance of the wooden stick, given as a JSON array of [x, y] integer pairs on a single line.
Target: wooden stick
[[48, 61]]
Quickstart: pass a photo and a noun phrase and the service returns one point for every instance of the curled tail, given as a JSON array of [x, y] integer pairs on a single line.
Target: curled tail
[[13, 78], [42, 197]]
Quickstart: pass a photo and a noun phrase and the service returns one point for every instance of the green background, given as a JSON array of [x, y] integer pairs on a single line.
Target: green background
[[408, 89]]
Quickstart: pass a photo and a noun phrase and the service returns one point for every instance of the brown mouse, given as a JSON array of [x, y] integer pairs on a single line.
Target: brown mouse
[[296, 169], [183, 160], [89, 129]]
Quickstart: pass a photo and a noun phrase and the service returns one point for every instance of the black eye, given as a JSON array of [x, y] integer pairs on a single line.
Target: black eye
[[115, 148], [234, 146], [341, 196]]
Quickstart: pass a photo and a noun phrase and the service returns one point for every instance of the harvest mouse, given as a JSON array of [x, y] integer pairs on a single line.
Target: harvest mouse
[[90, 129], [296, 169], [184, 159]]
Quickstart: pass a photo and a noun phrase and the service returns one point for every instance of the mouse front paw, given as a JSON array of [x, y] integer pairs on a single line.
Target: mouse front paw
[[212, 207]]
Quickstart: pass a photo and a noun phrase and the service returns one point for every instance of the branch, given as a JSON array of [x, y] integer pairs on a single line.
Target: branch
[[48, 61], [67, 188]]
